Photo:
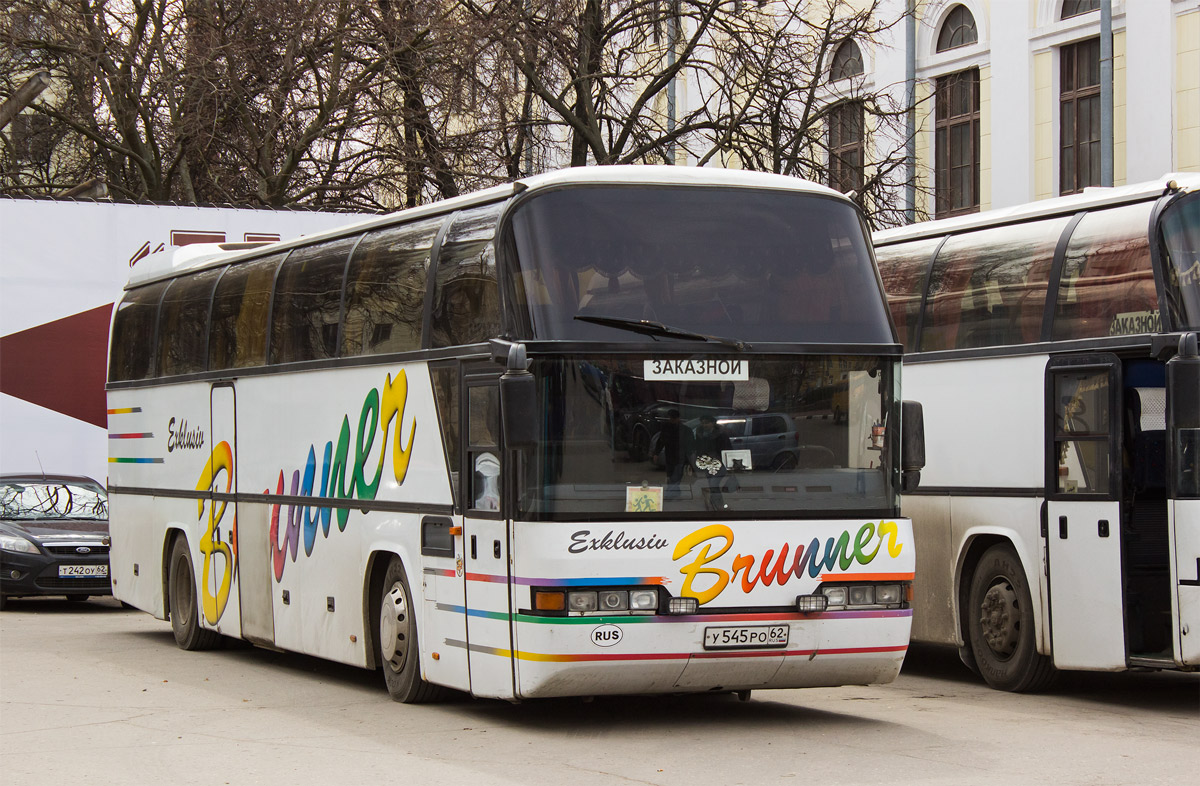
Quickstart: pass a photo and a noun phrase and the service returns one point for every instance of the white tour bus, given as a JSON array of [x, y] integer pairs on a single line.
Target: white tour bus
[[1053, 346], [573, 435]]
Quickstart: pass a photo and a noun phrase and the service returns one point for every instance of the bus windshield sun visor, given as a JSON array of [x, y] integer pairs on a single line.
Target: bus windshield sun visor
[[656, 329]]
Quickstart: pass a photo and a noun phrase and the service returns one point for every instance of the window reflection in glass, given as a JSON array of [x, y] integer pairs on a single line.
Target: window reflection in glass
[[988, 288], [1107, 286], [183, 324], [794, 438]]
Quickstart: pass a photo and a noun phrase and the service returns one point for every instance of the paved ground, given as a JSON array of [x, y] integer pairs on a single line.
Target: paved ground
[[92, 693]]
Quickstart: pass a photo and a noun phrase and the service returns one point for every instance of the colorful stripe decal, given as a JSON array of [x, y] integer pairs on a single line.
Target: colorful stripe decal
[[644, 656], [134, 435], [124, 410], [444, 572], [867, 576], [116, 460], [599, 581]]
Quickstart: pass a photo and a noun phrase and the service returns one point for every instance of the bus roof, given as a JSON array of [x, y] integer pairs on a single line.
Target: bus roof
[[167, 264], [1091, 198]]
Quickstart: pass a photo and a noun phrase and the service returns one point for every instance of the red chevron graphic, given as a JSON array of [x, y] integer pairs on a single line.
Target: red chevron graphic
[[60, 365]]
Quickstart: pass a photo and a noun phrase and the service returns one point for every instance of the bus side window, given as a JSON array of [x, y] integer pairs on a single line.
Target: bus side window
[[1107, 283], [308, 302], [183, 324], [385, 289], [237, 336], [1002, 273], [446, 395], [903, 267], [466, 297], [133, 334], [483, 430]]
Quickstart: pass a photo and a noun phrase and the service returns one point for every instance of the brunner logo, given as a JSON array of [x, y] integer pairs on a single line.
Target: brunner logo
[[182, 438]]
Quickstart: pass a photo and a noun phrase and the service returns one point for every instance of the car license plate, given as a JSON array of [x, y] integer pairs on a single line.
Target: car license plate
[[746, 637], [82, 571]]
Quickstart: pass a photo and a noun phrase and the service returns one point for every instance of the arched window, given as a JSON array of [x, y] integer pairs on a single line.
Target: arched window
[[847, 61], [958, 29], [1072, 8]]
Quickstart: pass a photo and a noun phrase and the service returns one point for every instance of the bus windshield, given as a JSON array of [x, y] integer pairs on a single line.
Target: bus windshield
[[1181, 237], [760, 265], [751, 436]]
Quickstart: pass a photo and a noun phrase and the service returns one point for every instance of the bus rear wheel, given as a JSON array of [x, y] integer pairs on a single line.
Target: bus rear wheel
[[1000, 625], [396, 643], [181, 595]]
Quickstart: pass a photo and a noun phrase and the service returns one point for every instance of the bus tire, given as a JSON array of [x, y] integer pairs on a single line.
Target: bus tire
[[181, 597], [396, 646], [1000, 625]]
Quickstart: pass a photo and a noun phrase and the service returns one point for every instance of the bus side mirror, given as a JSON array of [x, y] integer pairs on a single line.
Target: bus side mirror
[[518, 407], [912, 445], [1183, 417]]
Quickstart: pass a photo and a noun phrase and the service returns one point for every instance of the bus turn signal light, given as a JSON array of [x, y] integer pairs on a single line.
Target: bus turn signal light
[[550, 601]]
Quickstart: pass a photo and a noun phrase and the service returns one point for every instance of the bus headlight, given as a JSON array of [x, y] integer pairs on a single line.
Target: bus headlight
[[887, 593], [582, 601], [836, 595], [643, 600], [862, 595], [614, 600]]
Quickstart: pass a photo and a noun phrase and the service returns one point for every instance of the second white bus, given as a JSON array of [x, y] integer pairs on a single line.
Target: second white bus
[[1054, 349]]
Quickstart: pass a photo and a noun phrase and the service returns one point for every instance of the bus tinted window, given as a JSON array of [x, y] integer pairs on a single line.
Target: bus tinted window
[[466, 297], [385, 290], [133, 334], [1181, 236], [988, 288], [903, 267], [308, 302], [183, 324], [1107, 284], [238, 333], [757, 264]]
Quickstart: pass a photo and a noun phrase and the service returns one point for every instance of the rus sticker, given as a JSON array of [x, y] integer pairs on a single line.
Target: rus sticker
[[696, 370]]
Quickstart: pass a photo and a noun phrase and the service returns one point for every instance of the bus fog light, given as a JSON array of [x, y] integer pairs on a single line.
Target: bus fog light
[[808, 604], [581, 601], [643, 600], [549, 601], [683, 606], [887, 593], [614, 600], [836, 595], [862, 595]]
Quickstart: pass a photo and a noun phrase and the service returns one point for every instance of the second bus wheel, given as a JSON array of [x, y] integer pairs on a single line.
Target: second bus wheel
[[1000, 624], [181, 597], [396, 641]]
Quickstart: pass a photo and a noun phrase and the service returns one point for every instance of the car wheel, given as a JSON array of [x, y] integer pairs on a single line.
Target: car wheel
[[639, 448], [784, 461], [185, 612], [396, 643], [1000, 625], [77, 597]]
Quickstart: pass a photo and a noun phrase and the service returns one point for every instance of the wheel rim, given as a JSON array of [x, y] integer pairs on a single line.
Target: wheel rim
[[182, 593], [1000, 618], [393, 628]]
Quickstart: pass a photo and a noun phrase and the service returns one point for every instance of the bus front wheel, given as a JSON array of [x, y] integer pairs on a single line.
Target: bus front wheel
[[181, 595], [396, 642], [1000, 624]]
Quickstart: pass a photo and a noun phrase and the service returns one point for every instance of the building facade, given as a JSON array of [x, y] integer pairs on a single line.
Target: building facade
[[1009, 96]]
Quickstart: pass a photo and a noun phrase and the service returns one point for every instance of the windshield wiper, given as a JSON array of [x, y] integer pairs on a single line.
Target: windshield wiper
[[651, 328]]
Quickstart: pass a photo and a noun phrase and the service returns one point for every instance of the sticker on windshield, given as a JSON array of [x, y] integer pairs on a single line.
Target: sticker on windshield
[[696, 370]]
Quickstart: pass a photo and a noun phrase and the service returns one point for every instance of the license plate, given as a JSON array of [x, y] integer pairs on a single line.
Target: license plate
[[82, 571], [746, 637]]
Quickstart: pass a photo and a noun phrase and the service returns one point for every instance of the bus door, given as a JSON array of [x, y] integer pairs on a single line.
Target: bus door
[[486, 543], [218, 541], [1183, 404], [1082, 526]]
